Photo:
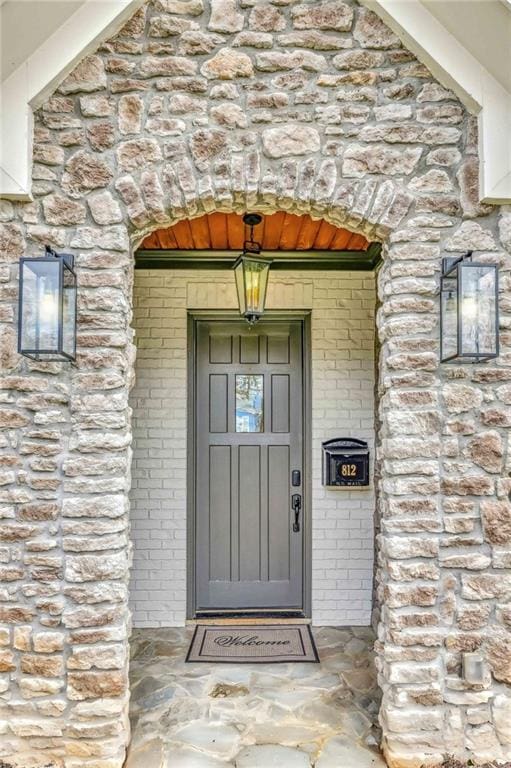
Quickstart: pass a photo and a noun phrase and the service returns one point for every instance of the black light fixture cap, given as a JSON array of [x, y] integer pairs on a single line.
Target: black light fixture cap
[[449, 262], [68, 258], [49, 251], [252, 219]]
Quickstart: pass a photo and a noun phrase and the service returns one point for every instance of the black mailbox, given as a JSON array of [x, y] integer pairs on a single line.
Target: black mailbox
[[345, 462]]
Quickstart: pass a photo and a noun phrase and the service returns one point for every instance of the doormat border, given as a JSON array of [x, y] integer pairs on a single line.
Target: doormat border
[[244, 627]]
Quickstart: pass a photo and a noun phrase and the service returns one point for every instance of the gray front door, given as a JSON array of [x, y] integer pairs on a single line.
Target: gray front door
[[249, 439]]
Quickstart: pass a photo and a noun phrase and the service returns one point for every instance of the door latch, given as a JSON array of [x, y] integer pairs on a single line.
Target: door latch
[[296, 505]]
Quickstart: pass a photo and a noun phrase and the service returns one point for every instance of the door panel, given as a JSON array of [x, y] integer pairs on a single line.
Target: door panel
[[278, 349], [278, 499], [249, 438], [218, 402], [249, 512], [220, 510], [249, 348], [280, 402]]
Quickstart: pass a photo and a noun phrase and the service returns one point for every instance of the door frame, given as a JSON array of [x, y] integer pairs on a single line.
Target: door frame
[[193, 316]]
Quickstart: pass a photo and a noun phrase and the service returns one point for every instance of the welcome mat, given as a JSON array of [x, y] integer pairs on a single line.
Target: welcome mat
[[252, 644]]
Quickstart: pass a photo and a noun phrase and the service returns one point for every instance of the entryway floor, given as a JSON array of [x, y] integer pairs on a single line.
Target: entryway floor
[[258, 715]]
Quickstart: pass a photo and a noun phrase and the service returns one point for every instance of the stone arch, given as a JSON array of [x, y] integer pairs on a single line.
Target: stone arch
[[372, 208], [387, 153], [407, 327]]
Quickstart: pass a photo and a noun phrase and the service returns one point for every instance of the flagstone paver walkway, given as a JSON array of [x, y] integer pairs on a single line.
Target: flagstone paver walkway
[[258, 715]]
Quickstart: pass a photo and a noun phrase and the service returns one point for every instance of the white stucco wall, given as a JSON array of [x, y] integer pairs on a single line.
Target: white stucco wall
[[342, 306]]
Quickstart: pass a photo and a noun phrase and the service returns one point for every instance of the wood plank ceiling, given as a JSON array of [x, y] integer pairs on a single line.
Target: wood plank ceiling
[[279, 232]]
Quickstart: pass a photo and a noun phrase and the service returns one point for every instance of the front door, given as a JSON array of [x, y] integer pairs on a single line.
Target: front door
[[249, 449]]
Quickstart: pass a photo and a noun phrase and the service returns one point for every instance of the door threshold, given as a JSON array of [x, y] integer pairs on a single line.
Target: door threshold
[[256, 613], [232, 621]]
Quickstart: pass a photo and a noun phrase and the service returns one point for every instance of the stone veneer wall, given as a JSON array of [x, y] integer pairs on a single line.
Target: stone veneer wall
[[227, 105], [342, 353]]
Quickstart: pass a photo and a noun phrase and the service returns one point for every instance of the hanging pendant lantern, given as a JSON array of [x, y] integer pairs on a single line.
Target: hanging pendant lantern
[[47, 307], [251, 273], [469, 316]]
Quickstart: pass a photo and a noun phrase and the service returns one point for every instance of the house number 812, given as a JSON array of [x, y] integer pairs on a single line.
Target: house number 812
[[349, 470]]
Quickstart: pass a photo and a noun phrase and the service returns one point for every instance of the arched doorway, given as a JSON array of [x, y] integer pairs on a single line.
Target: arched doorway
[[320, 328]]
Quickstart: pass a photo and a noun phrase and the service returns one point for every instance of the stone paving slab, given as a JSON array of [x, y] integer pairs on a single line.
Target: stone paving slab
[[258, 715]]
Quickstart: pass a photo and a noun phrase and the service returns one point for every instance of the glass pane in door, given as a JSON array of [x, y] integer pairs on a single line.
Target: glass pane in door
[[249, 403]]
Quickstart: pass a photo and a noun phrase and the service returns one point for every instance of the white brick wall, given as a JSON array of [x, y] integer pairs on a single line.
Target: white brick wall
[[342, 306]]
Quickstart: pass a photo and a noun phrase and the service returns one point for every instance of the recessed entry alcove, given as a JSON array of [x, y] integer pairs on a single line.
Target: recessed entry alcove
[[228, 423], [214, 505]]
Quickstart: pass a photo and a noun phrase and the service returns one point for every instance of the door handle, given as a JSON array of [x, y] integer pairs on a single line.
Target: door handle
[[296, 505]]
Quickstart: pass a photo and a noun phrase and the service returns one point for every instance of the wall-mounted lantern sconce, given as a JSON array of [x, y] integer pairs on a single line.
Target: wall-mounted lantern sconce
[[469, 311], [47, 307], [251, 273]]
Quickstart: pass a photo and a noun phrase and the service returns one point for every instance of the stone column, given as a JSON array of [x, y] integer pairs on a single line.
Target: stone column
[[95, 509], [64, 533], [445, 512]]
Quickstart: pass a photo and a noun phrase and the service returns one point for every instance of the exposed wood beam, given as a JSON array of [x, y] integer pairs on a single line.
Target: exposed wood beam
[[282, 260]]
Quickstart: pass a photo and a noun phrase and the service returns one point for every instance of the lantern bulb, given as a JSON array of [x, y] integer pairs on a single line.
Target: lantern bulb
[[469, 308], [48, 308]]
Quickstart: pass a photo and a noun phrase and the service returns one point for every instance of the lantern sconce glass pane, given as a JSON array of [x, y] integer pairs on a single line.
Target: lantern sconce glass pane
[[469, 322], [47, 307], [69, 312], [449, 310], [240, 285]]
